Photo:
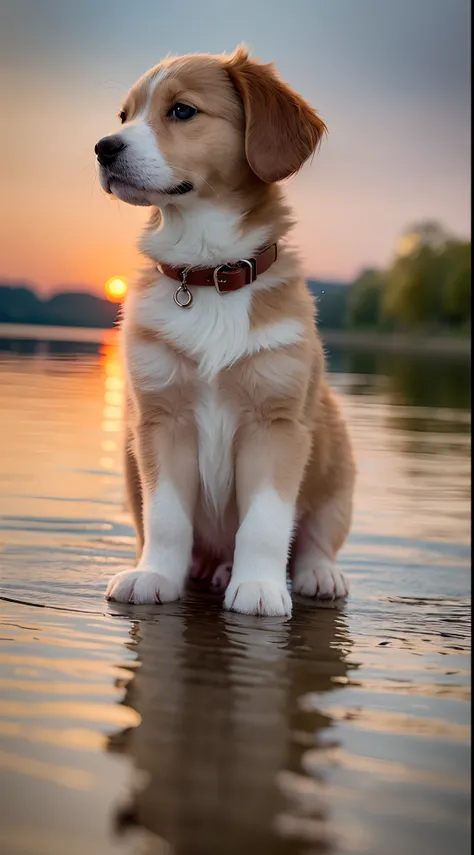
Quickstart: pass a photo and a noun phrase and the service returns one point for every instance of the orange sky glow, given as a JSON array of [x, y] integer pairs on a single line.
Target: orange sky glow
[[390, 80]]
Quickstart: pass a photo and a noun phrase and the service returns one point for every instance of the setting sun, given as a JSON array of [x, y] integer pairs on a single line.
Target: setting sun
[[115, 289]]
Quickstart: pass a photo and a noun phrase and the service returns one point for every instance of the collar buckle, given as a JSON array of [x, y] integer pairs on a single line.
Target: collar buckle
[[215, 278], [251, 264]]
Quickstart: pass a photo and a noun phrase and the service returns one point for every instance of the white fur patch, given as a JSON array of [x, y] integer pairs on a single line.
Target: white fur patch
[[142, 163], [141, 586], [202, 234], [271, 336], [168, 533], [215, 331], [255, 597], [258, 583], [161, 573], [216, 427], [156, 79]]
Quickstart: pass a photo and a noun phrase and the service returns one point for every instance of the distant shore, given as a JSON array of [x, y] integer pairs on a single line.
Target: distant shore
[[43, 332], [338, 339], [398, 342]]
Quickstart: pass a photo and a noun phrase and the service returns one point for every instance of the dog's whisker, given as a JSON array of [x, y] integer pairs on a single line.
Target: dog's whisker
[[83, 169], [94, 183]]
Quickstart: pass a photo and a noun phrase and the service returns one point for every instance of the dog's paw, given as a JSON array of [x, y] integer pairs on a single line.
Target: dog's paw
[[221, 577], [259, 597], [322, 580], [140, 587]]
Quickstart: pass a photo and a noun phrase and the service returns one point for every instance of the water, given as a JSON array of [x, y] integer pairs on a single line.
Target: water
[[186, 730]]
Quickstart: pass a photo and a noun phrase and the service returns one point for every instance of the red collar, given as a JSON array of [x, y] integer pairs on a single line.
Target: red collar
[[224, 277]]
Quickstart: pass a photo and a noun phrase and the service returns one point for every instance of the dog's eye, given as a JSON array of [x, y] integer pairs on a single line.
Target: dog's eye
[[181, 112], [122, 116]]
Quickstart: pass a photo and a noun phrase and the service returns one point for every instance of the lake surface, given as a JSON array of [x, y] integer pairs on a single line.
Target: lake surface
[[186, 730]]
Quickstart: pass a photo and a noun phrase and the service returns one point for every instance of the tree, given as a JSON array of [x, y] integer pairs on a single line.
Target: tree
[[428, 284], [413, 295], [365, 299], [427, 233], [457, 286]]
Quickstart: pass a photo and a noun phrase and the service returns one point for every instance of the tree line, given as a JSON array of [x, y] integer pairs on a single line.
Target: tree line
[[19, 304], [425, 289]]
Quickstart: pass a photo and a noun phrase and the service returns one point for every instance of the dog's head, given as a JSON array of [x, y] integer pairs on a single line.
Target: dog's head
[[201, 124]]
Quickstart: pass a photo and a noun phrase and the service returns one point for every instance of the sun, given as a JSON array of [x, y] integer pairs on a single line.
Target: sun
[[115, 289]]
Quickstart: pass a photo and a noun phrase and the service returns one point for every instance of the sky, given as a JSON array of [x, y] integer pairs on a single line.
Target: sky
[[389, 77]]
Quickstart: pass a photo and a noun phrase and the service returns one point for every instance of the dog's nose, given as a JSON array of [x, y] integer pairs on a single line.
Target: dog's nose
[[108, 148]]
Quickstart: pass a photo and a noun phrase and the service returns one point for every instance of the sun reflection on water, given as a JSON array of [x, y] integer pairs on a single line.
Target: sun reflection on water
[[113, 400]]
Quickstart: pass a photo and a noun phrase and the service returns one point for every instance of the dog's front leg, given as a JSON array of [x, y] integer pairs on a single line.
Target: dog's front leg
[[166, 452], [270, 462]]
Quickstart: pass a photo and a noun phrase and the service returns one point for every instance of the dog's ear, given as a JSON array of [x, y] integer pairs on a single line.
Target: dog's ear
[[281, 129]]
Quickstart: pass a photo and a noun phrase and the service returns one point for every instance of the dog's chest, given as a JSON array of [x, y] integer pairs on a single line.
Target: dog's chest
[[216, 423], [192, 349], [184, 356], [214, 332]]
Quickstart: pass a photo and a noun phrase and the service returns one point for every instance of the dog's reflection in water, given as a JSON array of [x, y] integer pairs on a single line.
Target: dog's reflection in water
[[222, 728]]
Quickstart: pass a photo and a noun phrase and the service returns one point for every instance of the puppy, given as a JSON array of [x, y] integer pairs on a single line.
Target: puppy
[[237, 454]]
